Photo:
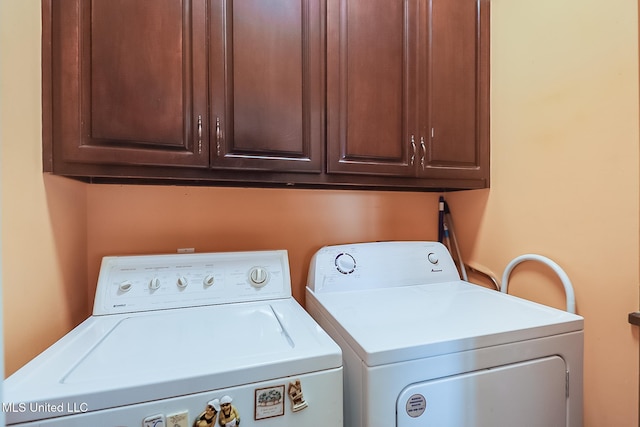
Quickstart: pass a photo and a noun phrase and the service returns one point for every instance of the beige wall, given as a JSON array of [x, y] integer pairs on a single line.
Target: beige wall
[[43, 217], [564, 184], [565, 177]]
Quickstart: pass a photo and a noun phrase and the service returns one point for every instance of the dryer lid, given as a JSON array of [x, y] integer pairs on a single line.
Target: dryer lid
[[390, 325]]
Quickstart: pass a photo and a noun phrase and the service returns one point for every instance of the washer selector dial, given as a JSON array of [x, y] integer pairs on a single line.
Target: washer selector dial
[[182, 282], [345, 263], [125, 286], [258, 277], [154, 284], [208, 280]]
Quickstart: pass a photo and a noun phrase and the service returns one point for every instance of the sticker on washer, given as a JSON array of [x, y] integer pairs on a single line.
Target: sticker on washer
[[416, 405], [180, 419], [269, 402]]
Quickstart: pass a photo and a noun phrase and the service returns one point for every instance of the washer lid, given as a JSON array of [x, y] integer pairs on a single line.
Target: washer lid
[[117, 360], [391, 325]]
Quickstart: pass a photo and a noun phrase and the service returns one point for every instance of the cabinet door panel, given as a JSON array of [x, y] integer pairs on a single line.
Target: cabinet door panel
[[369, 86], [130, 93], [457, 123], [134, 66], [267, 102]]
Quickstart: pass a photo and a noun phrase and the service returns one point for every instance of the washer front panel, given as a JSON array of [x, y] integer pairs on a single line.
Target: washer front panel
[[322, 391]]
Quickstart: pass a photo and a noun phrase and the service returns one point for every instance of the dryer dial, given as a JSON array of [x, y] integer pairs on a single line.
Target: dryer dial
[[345, 263], [433, 258]]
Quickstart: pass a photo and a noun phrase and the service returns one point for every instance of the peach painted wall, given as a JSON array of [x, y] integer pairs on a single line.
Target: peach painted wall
[[148, 219], [565, 183], [565, 150], [44, 261]]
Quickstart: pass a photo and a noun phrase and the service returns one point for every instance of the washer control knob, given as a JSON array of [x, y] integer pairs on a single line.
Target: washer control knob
[[182, 282], [125, 286], [208, 280], [258, 277], [154, 284], [433, 258], [345, 263]]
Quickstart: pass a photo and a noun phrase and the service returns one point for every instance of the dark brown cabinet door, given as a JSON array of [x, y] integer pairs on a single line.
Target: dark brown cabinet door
[[454, 111], [267, 85], [408, 90], [127, 82], [389, 94], [370, 86]]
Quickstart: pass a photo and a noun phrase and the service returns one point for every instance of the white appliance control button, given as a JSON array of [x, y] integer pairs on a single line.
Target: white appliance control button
[[433, 258], [208, 281], [182, 282], [154, 284], [258, 277], [345, 263], [125, 286]]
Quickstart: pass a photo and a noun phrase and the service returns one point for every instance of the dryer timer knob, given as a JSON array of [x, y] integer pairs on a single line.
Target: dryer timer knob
[[345, 263], [432, 257]]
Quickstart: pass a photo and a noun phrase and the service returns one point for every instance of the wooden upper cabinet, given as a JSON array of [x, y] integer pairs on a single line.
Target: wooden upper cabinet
[[389, 94], [408, 89], [370, 86], [454, 99], [128, 82], [267, 85]]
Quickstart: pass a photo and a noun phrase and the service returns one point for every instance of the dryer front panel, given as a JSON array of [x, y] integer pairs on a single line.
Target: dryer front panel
[[531, 393]]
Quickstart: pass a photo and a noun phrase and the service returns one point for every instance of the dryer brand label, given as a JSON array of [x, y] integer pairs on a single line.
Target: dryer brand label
[[416, 405]]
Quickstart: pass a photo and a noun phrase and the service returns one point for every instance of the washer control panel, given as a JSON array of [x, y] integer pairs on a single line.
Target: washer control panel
[[154, 282], [380, 265]]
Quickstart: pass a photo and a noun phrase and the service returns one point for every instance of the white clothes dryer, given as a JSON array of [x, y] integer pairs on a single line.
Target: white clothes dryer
[[186, 340], [423, 348]]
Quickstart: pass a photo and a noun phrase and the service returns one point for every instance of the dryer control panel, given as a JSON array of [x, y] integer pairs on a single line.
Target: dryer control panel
[[380, 265], [154, 282]]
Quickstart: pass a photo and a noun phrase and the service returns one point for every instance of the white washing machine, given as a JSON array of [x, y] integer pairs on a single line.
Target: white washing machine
[[423, 348], [186, 340]]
